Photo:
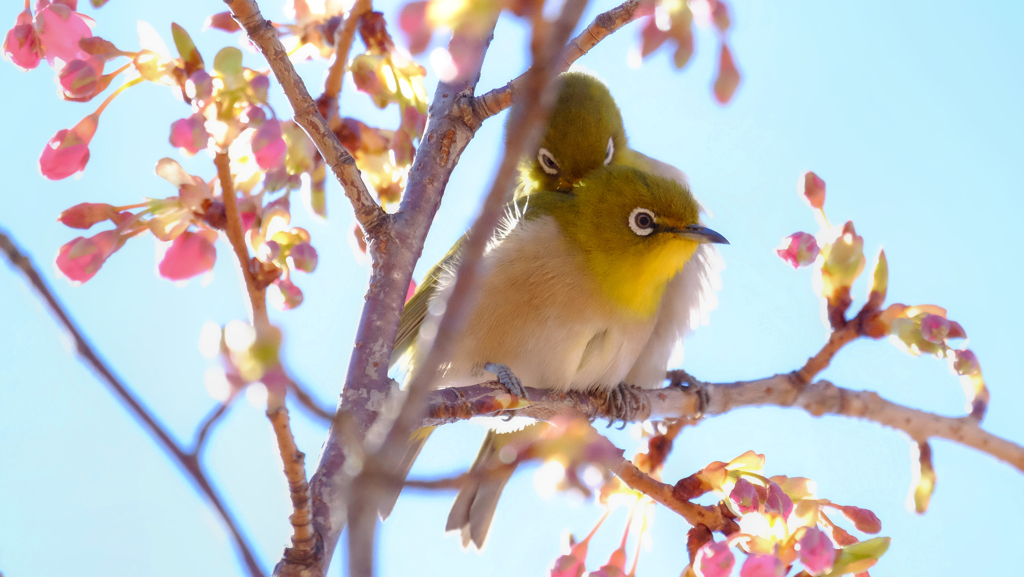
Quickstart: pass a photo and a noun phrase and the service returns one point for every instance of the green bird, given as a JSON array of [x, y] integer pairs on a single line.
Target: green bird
[[584, 133]]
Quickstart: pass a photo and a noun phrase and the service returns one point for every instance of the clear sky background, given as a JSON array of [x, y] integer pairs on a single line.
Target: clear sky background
[[911, 112]]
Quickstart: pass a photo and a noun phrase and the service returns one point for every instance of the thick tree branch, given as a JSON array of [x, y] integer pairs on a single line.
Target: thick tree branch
[[369, 214], [498, 99], [188, 463]]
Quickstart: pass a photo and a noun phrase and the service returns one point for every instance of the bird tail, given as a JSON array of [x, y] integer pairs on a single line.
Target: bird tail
[[477, 500], [417, 439]]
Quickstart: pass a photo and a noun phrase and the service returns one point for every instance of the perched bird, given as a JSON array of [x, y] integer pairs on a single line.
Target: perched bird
[[584, 133]]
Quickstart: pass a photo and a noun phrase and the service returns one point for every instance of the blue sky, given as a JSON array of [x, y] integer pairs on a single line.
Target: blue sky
[[911, 113]]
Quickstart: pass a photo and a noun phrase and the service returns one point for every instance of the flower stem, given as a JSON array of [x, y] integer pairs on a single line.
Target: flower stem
[[114, 94]]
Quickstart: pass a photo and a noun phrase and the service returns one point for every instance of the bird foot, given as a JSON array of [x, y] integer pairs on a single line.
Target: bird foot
[[625, 403], [507, 378]]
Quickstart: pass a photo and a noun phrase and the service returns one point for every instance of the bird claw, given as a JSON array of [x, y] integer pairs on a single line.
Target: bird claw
[[625, 403], [507, 378]]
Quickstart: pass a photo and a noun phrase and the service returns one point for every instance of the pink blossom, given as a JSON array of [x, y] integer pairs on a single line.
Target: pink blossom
[[798, 249], [302, 257], [778, 501], [762, 566], [80, 259], [284, 295], [934, 328], [189, 134], [86, 214], [68, 151], [80, 79], [817, 552], [745, 496], [22, 45], [60, 29], [814, 190], [268, 145], [714, 559], [190, 253]]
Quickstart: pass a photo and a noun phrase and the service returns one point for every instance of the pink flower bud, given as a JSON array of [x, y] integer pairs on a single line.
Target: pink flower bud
[[80, 79], [813, 190], [60, 29], [567, 566], [302, 257], [269, 251], [190, 254], [799, 249], [728, 77], [199, 87], [189, 134], [966, 363], [268, 146], [259, 85], [22, 45], [284, 295], [817, 552], [85, 215], [253, 116], [222, 21], [68, 151], [778, 501], [714, 559], [80, 259], [934, 328], [762, 566], [863, 519], [745, 496], [412, 20]]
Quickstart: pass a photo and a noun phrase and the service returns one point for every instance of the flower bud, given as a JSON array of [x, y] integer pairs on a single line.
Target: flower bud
[[80, 259], [778, 501], [728, 77], [80, 79], [268, 146], [843, 262], [799, 249], [284, 295], [745, 496], [259, 85], [813, 190], [189, 134], [68, 151], [863, 519], [714, 559], [86, 214], [190, 254], [269, 251], [60, 29], [199, 88], [22, 45], [762, 566], [816, 551], [965, 363], [302, 257], [934, 328]]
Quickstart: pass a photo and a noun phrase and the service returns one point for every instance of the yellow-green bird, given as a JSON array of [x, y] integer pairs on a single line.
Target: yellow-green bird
[[584, 133]]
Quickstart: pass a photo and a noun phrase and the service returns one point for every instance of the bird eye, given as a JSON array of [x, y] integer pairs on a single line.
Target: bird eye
[[609, 152], [547, 161], [641, 221]]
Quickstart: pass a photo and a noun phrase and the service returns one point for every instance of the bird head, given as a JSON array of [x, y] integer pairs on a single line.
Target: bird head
[[635, 230], [584, 132]]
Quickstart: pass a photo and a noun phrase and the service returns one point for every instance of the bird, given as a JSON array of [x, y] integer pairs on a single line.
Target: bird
[[584, 133]]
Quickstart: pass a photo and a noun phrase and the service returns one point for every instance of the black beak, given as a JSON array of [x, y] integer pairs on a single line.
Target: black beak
[[701, 234]]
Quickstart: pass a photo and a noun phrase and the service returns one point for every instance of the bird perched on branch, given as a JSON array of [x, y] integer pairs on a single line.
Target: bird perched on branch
[[584, 134]]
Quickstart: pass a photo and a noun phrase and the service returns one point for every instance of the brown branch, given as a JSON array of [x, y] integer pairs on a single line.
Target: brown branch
[[211, 419], [188, 463], [257, 295], [711, 517], [343, 38], [819, 362], [709, 399], [498, 99], [369, 214], [303, 549], [307, 401]]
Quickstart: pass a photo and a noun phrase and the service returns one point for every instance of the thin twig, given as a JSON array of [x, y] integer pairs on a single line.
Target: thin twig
[[498, 99], [343, 38], [307, 401], [211, 419], [694, 514], [303, 546], [369, 214], [188, 463], [257, 295]]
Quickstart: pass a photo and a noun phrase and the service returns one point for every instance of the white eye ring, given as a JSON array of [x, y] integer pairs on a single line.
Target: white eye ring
[[610, 152], [547, 161], [641, 221]]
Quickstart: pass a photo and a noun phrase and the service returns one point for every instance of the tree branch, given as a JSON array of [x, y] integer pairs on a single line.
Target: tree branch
[[303, 549], [343, 38], [694, 514], [188, 463], [257, 295], [212, 419], [308, 402], [369, 214], [487, 105]]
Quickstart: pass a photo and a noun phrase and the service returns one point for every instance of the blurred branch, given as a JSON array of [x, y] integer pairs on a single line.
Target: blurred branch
[[188, 463], [212, 419], [307, 401], [343, 39], [369, 214], [490, 103]]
